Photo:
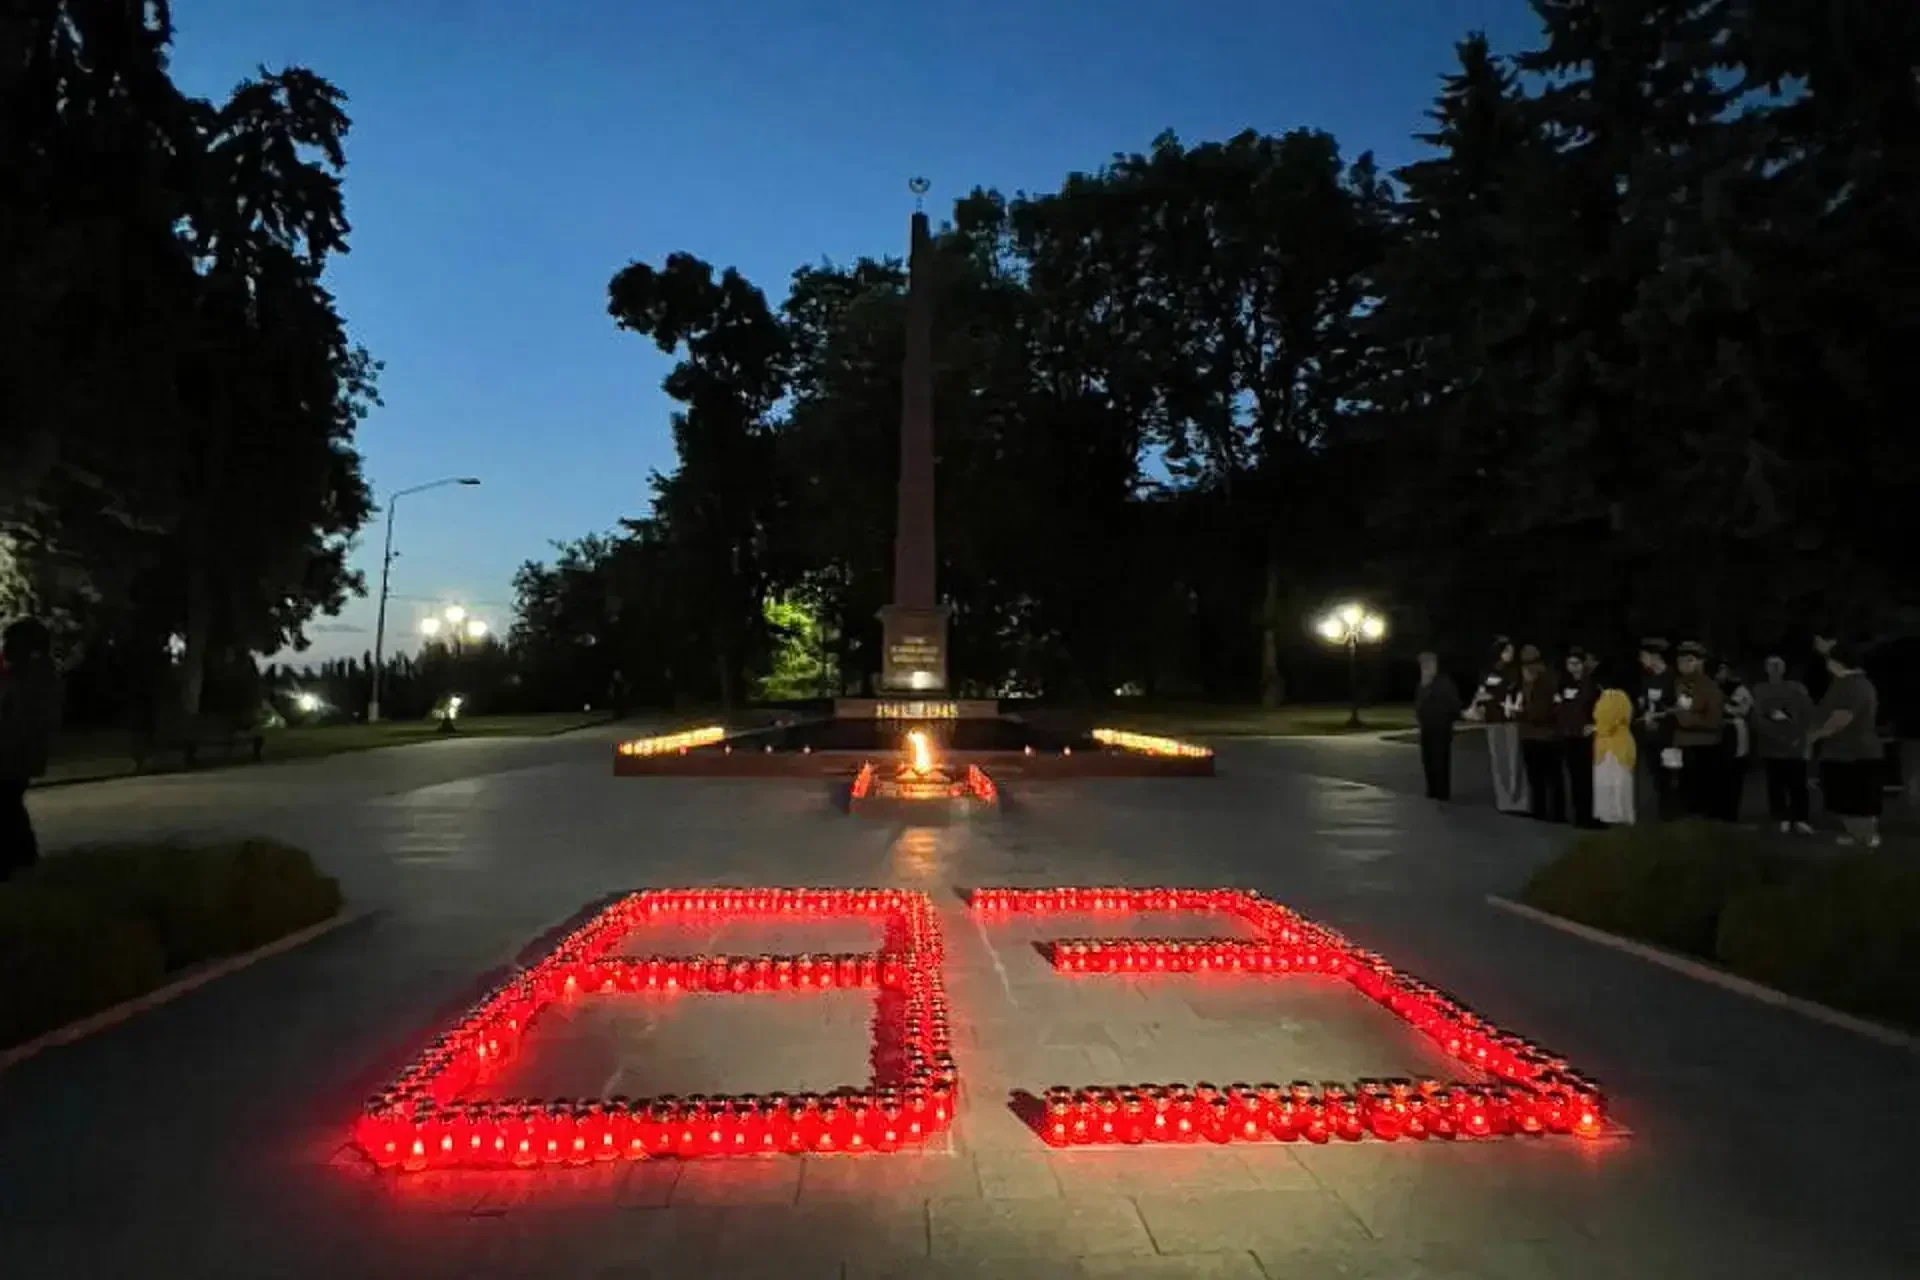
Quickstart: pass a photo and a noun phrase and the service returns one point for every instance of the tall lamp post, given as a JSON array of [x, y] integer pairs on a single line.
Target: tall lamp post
[[386, 573], [1352, 625], [454, 624]]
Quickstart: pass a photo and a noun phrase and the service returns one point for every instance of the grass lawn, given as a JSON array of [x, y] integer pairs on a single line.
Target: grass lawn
[[88, 757], [1225, 720]]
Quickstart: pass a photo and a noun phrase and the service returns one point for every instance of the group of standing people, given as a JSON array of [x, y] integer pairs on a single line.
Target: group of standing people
[[1566, 745]]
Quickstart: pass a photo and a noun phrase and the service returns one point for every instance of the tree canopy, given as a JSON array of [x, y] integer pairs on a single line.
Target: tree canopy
[[180, 391], [1619, 352], [1622, 351]]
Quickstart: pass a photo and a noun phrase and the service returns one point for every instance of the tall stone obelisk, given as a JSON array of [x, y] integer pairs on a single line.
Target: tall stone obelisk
[[913, 655]]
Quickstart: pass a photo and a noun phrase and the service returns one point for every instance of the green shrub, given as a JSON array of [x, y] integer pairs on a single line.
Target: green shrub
[[200, 902], [1845, 932], [85, 930], [65, 956], [175, 890], [272, 890], [1664, 883]]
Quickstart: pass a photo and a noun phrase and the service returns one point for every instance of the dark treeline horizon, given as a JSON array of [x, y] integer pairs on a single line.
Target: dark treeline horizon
[[1623, 353], [1621, 356]]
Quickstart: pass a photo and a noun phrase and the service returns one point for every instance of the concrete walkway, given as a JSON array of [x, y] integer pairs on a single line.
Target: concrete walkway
[[206, 1139]]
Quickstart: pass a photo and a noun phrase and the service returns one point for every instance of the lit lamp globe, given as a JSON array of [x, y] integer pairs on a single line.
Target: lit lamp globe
[[429, 627], [476, 629], [1352, 624]]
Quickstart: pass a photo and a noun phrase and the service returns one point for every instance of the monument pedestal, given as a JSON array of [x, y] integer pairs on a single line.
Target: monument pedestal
[[913, 649]]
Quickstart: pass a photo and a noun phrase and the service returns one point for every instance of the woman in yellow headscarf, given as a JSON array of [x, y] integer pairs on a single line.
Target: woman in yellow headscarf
[[1613, 759]]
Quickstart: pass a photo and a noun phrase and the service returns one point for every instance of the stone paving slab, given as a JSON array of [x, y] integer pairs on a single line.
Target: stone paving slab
[[700, 936], [1080, 1227], [643, 1046], [1229, 1265]]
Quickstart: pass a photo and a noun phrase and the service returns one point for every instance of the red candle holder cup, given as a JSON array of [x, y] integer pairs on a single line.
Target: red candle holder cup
[[1523, 1089], [423, 1120]]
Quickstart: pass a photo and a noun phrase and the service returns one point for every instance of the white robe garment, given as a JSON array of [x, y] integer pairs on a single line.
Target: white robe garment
[[1612, 792]]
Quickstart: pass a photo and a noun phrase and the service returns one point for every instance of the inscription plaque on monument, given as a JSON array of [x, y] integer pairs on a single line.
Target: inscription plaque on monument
[[913, 655]]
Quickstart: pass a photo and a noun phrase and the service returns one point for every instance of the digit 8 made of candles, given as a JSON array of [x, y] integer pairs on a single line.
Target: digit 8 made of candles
[[424, 1119], [1523, 1088]]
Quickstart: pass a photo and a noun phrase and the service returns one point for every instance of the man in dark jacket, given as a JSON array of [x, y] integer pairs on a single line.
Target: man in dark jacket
[[29, 718], [1781, 718], [1654, 712], [1699, 722], [1539, 737], [1436, 705], [1573, 726]]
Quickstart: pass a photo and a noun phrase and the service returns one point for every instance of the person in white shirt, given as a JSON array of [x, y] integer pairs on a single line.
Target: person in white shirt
[[1497, 703]]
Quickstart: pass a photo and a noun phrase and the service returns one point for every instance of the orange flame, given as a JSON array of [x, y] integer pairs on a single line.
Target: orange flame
[[919, 751]]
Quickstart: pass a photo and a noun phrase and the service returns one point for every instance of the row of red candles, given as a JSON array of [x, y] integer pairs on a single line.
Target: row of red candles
[[740, 974], [1385, 1109], [1196, 955], [1459, 1031], [730, 901], [415, 1122], [411, 1118], [1083, 898], [466, 1134]]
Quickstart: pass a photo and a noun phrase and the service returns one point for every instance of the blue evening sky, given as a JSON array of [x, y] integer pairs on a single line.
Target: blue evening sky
[[508, 157]]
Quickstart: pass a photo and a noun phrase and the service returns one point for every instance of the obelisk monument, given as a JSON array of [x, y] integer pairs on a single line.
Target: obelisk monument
[[913, 655]]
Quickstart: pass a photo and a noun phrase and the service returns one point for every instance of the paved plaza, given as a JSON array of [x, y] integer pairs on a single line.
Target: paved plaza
[[208, 1138]]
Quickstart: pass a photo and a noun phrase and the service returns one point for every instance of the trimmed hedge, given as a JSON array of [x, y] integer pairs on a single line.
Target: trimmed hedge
[[1843, 930], [1845, 933], [1664, 883], [86, 930], [65, 957]]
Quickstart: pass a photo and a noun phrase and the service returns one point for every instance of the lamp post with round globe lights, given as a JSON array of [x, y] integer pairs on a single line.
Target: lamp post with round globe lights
[[386, 572], [454, 624], [1352, 624]]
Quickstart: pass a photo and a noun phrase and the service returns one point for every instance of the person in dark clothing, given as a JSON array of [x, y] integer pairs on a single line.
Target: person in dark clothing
[[1436, 706], [1736, 742], [29, 717], [1573, 727], [1781, 718], [1699, 718], [1654, 710], [1847, 735], [1539, 738]]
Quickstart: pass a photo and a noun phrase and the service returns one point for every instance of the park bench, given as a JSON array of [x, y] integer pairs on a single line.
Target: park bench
[[195, 738]]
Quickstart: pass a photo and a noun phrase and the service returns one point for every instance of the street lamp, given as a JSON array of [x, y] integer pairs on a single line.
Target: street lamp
[[386, 572], [1352, 625], [455, 623]]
